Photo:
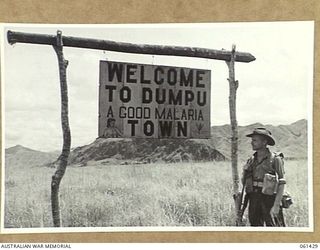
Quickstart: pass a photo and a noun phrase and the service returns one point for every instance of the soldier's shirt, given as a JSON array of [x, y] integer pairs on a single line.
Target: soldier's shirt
[[265, 165]]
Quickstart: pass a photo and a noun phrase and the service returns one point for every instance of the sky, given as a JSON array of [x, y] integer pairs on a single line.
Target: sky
[[274, 89]]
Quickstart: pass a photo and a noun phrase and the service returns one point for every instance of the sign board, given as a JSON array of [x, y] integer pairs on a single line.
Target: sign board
[[152, 101]]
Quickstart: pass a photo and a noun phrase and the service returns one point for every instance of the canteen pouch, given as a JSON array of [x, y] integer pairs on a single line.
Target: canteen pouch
[[286, 200], [270, 184]]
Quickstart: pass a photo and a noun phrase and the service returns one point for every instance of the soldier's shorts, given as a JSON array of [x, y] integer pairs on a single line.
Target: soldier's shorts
[[259, 210]]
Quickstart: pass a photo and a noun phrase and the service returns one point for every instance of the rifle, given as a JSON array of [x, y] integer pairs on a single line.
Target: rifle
[[242, 205]]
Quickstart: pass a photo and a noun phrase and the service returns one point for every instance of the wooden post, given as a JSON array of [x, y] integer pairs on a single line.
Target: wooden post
[[233, 86], [63, 158], [88, 43]]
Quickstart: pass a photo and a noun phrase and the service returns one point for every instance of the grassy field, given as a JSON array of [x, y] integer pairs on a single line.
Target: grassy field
[[188, 194]]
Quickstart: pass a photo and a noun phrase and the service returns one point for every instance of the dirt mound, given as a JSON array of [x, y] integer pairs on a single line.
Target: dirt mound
[[146, 150]]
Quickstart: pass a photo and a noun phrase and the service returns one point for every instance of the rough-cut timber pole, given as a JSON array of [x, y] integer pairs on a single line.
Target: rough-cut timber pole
[[233, 86], [68, 41], [63, 158]]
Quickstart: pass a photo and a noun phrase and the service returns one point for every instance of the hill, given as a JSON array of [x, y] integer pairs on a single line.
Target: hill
[[290, 139], [145, 150], [22, 157]]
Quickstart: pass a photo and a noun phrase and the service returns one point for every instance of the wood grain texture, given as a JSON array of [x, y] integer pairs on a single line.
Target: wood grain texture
[[107, 45], [164, 11]]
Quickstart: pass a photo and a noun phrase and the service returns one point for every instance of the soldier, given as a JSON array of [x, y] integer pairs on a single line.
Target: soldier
[[264, 181]]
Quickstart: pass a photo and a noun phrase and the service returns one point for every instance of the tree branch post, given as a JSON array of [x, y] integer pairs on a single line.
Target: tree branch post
[[107, 45], [63, 158], [233, 86]]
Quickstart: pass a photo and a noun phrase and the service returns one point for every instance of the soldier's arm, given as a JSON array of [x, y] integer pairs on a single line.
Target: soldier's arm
[[279, 195], [246, 169], [279, 167]]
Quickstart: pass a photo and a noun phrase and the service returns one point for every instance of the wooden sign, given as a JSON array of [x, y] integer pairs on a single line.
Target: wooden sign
[[152, 101]]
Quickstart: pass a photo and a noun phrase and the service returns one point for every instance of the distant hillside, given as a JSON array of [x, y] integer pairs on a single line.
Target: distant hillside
[[19, 156], [290, 139]]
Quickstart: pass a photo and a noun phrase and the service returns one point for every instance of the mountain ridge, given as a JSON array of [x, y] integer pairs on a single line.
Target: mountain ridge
[[290, 139], [21, 157]]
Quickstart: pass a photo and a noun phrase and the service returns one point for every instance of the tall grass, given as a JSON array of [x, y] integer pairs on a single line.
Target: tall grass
[[188, 194]]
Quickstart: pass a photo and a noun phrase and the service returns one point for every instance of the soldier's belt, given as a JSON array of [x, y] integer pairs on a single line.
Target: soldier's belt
[[257, 183]]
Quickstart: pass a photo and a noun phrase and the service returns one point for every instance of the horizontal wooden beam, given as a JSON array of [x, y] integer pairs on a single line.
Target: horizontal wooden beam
[[77, 42]]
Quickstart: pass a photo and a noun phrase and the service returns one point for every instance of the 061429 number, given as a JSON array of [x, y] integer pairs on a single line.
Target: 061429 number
[[309, 246]]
